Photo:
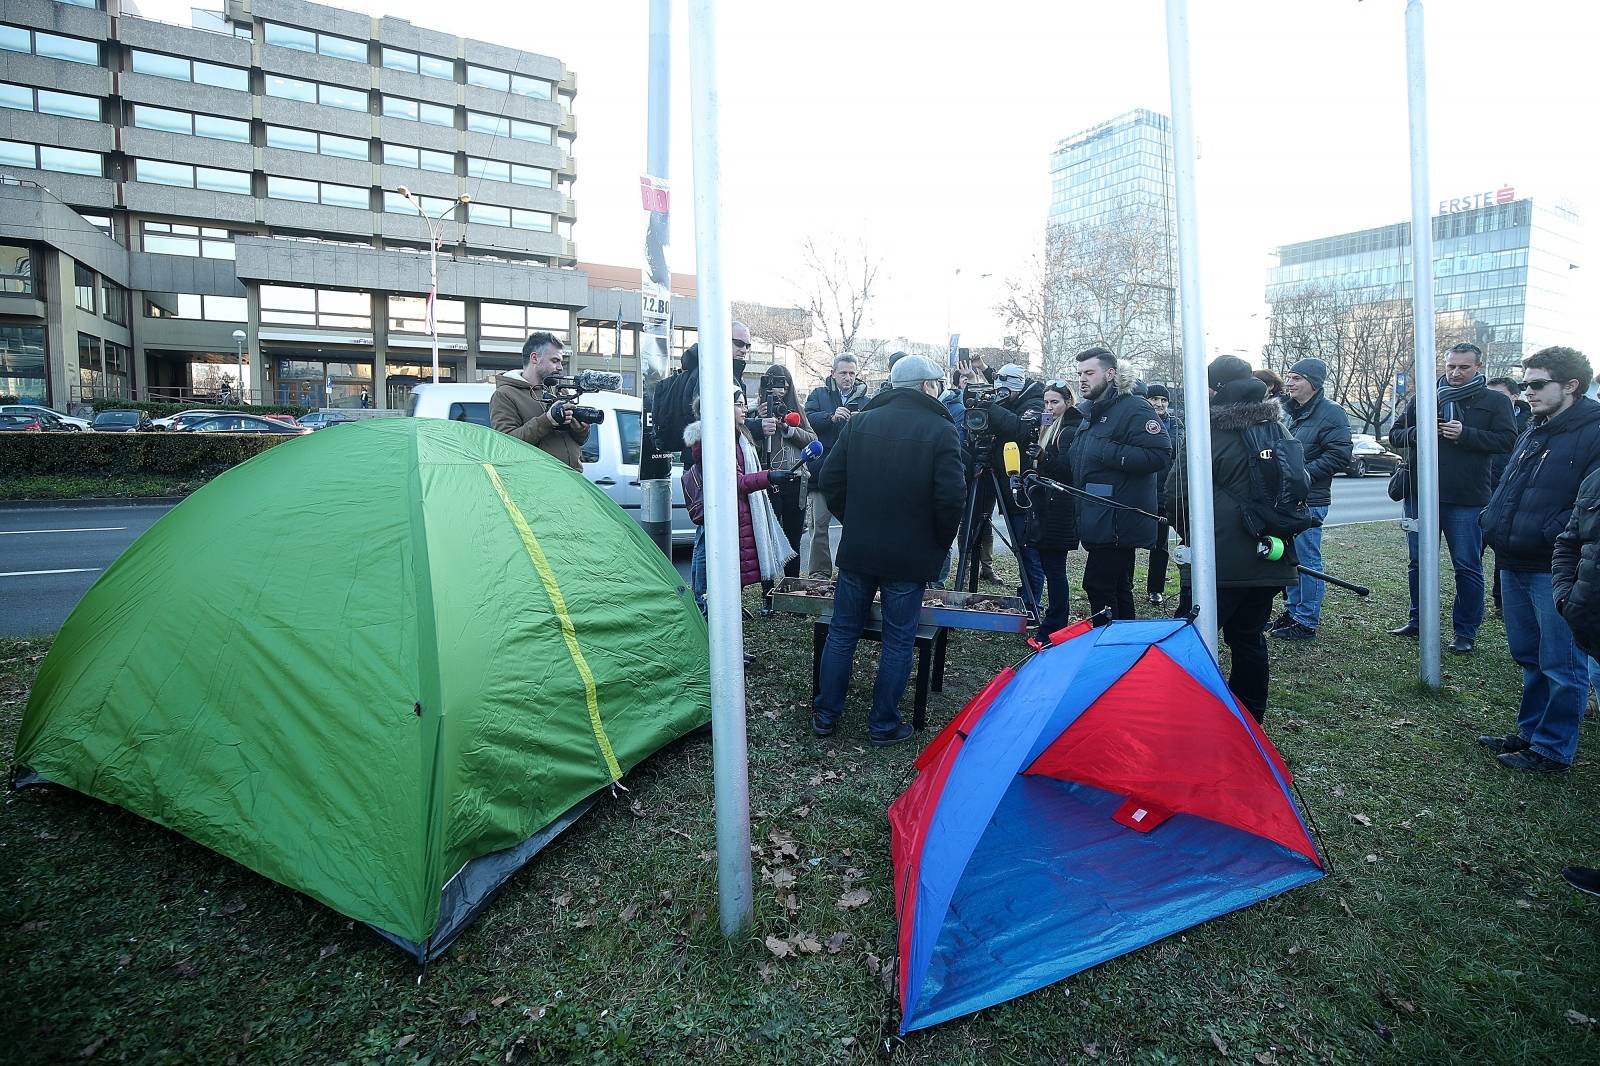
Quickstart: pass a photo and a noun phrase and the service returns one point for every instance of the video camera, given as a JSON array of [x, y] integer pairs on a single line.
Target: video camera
[[775, 393], [569, 390], [978, 397]]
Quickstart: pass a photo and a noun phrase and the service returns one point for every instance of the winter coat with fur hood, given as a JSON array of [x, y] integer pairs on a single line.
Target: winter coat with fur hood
[[748, 482]]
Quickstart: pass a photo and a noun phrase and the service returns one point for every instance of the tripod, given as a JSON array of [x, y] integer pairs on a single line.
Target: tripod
[[982, 472]]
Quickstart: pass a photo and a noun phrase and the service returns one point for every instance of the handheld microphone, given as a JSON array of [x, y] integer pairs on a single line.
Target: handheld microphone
[[793, 419], [808, 453], [1012, 458]]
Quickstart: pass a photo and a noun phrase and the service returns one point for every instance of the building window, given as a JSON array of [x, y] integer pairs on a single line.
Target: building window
[[403, 155], [330, 308], [498, 170], [435, 206], [426, 65], [185, 176], [324, 192], [22, 359], [175, 238], [418, 111], [603, 338], [49, 45], [409, 314], [113, 302], [49, 102], [83, 287], [195, 307], [488, 214], [321, 43], [298, 140], [179, 69], [539, 221], [516, 129], [170, 121], [516, 321], [316, 92], [16, 270], [48, 157], [501, 81]]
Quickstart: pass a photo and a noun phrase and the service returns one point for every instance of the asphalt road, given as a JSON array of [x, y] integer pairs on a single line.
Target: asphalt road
[[50, 556]]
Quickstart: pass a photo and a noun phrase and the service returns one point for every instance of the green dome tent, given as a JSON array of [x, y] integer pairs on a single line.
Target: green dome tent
[[382, 665]]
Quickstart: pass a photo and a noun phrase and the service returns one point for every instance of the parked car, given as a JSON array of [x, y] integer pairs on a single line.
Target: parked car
[[323, 419], [288, 420], [239, 424], [610, 456], [121, 422], [1368, 456], [194, 415], [20, 424], [45, 414]]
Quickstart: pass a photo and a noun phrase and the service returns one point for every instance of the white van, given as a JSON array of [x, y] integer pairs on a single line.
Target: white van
[[610, 456]]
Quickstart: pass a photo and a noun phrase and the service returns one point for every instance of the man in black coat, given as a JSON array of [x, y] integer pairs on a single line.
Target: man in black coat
[[1475, 425], [1520, 414], [1155, 583], [1013, 417], [1531, 507], [828, 410], [894, 477], [1323, 431], [1117, 455], [1242, 421]]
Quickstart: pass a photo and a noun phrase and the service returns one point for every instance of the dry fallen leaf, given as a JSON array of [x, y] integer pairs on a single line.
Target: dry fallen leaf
[[1266, 1058], [123, 960], [837, 941], [1372, 858], [1217, 1042], [874, 964], [1362, 818], [781, 878], [467, 1017], [1092, 1050], [404, 1040], [628, 912], [562, 900], [498, 1001], [1574, 1018], [856, 897], [805, 943], [327, 949], [789, 902], [778, 947], [802, 812], [583, 923], [1344, 905]]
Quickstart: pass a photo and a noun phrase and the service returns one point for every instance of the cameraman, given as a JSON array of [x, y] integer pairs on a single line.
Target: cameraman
[[781, 432], [1012, 414], [518, 406]]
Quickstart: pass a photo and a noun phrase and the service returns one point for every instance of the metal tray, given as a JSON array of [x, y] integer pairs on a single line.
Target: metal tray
[[786, 597]]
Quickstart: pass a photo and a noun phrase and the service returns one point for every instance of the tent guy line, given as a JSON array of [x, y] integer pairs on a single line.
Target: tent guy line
[[39, 573], [81, 529]]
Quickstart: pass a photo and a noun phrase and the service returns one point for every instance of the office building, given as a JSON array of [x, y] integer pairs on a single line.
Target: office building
[[1113, 220], [163, 188], [1504, 270]]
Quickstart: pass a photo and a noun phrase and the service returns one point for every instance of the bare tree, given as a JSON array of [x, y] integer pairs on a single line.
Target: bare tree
[[838, 287]]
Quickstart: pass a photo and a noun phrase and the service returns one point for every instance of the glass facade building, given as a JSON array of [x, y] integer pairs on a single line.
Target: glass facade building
[[1122, 164], [1502, 270]]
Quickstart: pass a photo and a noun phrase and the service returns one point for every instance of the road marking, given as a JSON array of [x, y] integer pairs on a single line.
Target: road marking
[[81, 529], [37, 573]]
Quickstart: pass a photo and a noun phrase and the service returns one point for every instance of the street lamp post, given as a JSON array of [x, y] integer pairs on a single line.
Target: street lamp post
[[238, 341], [433, 266]]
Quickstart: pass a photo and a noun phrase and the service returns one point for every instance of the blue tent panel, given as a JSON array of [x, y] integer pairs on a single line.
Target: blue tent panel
[[1056, 886]]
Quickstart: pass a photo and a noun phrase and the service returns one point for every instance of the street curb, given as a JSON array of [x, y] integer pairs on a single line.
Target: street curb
[[91, 501]]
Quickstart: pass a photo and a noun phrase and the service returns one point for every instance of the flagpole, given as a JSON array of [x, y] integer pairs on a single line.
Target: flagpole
[[1201, 532], [655, 287]]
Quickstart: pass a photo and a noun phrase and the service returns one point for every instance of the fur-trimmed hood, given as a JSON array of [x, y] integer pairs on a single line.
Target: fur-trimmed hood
[[1240, 415], [691, 434]]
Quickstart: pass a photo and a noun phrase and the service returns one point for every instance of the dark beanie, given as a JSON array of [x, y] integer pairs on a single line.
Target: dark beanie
[[1152, 391], [1313, 370], [1226, 368]]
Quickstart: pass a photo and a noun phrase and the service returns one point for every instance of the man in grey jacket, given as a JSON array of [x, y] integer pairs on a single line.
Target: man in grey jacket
[[1321, 427]]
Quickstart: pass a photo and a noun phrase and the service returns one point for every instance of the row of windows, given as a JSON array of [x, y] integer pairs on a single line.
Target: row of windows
[[325, 192], [287, 305], [419, 63], [184, 176], [170, 121], [49, 45], [316, 92], [50, 157], [113, 298], [515, 128], [178, 69], [174, 238], [294, 139], [500, 80], [401, 155], [191, 305], [48, 102], [516, 173], [418, 111], [319, 43]]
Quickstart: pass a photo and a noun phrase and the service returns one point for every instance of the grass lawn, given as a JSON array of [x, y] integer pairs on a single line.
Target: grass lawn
[[1444, 933]]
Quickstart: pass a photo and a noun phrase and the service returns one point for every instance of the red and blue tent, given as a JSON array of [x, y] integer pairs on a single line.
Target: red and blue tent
[[1105, 793]]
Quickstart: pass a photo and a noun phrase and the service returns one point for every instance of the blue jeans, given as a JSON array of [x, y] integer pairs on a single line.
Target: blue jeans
[[1555, 675], [852, 602], [1029, 563], [1465, 540], [1304, 597], [697, 568]]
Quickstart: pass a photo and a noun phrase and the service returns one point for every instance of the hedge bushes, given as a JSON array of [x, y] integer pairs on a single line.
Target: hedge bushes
[[159, 409], [33, 454]]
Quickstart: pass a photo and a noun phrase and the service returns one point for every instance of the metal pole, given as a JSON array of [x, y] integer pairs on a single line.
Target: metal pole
[[1201, 532], [721, 503], [1427, 413], [433, 296], [655, 465]]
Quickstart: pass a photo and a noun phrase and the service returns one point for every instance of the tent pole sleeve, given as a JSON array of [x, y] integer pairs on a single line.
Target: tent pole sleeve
[[729, 756]]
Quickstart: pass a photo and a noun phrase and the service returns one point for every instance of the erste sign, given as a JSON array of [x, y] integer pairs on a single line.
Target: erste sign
[[1503, 195]]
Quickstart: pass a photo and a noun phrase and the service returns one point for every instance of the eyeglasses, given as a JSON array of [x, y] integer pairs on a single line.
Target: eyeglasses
[[741, 345], [1056, 386], [1529, 386]]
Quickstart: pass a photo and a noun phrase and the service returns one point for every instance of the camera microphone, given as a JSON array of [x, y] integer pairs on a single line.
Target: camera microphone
[[598, 380], [793, 419], [1012, 457]]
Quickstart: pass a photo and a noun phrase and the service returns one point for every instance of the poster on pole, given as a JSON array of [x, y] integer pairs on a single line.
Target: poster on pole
[[655, 294]]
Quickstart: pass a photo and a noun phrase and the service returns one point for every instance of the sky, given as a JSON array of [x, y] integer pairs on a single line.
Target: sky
[[923, 131]]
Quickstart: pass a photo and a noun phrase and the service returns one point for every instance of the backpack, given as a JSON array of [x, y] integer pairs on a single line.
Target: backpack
[[673, 409], [1279, 485]]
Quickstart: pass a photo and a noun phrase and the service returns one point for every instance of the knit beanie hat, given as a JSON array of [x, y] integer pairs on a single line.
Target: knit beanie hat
[[1226, 368], [1152, 391], [1313, 370]]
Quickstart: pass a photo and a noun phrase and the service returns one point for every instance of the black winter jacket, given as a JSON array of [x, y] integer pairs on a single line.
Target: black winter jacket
[[1575, 567], [1119, 452], [1054, 524], [1239, 565], [1521, 414], [1322, 428], [1174, 427], [1017, 421], [894, 477], [1533, 502], [820, 405], [1465, 464]]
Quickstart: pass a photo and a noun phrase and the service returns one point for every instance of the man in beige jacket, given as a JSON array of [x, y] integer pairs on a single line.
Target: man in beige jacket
[[517, 407]]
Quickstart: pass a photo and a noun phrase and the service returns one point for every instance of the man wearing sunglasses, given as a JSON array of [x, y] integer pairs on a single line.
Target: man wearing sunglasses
[[1529, 509]]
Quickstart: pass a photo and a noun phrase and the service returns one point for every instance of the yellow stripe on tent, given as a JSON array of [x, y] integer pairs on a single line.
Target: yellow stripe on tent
[[568, 633]]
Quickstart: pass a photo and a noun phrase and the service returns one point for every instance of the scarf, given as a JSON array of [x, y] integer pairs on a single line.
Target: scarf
[[1457, 393], [773, 549]]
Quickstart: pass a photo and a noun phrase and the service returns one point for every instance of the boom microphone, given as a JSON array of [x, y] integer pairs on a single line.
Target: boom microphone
[[598, 380]]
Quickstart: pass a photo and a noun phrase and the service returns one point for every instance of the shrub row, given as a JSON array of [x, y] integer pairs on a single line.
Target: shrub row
[[159, 409], [25, 454]]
